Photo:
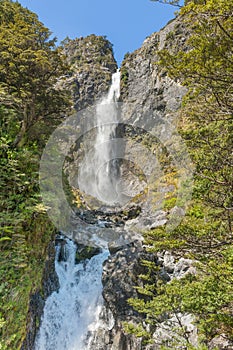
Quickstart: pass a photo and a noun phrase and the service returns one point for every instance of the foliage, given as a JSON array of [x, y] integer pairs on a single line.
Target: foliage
[[179, 3], [206, 118], [169, 2], [24, 231], [124, 77], [205, 67], [93, 49], [207, 296], [30, 105], [30, 66]]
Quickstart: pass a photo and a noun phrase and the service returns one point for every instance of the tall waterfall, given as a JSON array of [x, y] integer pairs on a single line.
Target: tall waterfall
[[98, 171], [71, 315]]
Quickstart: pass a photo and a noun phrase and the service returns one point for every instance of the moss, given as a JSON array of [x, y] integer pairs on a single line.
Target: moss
[[84, 253]]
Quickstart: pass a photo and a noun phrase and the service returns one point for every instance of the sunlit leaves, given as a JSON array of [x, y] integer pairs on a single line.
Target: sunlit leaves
[[30, 66], [205, 66]]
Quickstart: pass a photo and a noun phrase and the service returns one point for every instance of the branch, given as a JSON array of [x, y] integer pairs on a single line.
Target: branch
[[224, 30], [213, 179], [169, 2]]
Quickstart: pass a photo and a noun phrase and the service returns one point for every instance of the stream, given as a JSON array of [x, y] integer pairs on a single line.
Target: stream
[[71, 315]]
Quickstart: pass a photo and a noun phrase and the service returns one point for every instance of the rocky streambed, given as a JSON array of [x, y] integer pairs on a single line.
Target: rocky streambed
[[121, 273]]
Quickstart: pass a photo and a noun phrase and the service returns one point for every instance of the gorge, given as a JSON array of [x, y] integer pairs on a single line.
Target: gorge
[[116, 189], [116, 203]]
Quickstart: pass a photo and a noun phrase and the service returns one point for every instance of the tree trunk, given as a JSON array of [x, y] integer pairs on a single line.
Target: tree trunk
[[20, 139]]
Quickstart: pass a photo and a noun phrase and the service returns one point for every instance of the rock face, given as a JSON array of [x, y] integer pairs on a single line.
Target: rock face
[[150, 101], [50, 284], [221, 342], [120, 276], [92, 65], [121, 273], [149, 94]]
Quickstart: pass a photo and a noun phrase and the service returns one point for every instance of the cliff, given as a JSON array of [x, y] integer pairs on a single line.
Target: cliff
[[92, 64], [149, 99], [145, 87], [149, 103]]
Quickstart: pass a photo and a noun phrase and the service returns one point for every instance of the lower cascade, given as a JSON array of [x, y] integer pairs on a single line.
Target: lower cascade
[[71, 315]]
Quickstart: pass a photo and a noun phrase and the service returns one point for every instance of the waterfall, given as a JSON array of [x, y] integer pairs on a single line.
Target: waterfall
[[71, 315], [98, 172]]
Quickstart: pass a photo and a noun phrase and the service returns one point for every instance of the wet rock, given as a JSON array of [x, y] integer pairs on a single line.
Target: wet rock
[[50, 282], [62, 254], [114, 248], [36, 306], [109, 218], [120, 274], [84, 252]]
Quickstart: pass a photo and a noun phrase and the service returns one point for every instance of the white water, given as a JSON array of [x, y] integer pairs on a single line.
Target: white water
[[72, 314], [98, 171]]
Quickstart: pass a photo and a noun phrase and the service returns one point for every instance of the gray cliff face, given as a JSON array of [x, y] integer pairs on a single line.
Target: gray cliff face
[[92, 64], [148, 94], [150, 101]]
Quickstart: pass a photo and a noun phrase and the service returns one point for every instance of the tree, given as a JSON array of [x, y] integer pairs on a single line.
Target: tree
[[179, 3], [169, 2], [205, 67], [207, 116], [30, 66]]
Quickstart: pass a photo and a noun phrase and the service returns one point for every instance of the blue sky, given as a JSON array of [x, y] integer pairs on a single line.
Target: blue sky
[[126, 23]]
